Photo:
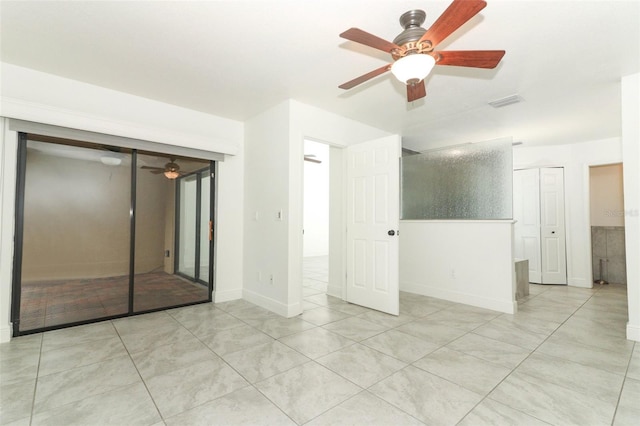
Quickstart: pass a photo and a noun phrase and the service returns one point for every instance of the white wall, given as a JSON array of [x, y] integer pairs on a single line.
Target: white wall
[[229, 230], [606, 196], [631, 170], [266, 194], [273, 182], [45, 98], [576, 158], [464, 261], [316, 200]]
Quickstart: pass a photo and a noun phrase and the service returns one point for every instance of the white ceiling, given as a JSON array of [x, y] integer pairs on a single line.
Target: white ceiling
[[237, 58]]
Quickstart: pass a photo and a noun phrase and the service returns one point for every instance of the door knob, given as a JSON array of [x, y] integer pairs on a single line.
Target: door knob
[[391, 232]]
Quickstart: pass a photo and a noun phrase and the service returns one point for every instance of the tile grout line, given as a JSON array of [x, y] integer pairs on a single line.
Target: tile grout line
[[624, 380], [249, 383], [138, 371], [527, 357], [35, 385], [569, 303]]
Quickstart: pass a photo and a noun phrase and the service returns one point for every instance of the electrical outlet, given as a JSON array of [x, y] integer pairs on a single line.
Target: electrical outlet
[[453, 273], [279, 215], [167, 253], [271, 279]]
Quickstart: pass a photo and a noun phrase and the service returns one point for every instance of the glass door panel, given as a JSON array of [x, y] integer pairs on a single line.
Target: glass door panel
[[205, 223], [75, 233], [91, 243], [194, 215], [188, 187], [157, 283]]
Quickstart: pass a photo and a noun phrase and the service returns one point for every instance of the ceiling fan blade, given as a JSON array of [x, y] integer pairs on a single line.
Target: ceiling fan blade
[[363, 37], [312, 160], [365, 77], [470, 58], [416, 91], [458, 12], [152, 168]]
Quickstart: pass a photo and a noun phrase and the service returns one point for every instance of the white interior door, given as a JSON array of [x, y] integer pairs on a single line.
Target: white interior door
[[526, 213], [552, 227], [373, 209]]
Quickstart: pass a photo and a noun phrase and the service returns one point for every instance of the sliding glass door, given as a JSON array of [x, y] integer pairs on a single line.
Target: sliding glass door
[[99, 233], [194, 224], [75, 234], [156, 285]]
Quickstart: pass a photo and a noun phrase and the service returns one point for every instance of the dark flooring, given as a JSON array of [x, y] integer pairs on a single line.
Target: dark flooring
[[52, 303]]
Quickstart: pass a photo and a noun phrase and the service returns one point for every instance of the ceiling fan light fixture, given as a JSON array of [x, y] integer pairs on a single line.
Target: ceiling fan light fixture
[[413, 68], [172, 170], [171, 174], [109, 160]]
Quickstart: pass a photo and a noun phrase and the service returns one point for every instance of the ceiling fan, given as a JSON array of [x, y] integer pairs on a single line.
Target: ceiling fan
[[413, 50], [311, 158], [171, 170]]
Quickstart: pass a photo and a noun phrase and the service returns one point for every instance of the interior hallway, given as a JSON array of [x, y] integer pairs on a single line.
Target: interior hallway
[[562, 359]]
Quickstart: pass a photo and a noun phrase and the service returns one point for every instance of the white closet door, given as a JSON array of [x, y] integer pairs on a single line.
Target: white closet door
[[526, 213], [552, 226]]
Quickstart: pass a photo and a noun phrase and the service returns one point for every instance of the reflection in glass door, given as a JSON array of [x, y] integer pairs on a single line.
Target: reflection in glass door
[[157, 283], [193, 220], [75, 233]]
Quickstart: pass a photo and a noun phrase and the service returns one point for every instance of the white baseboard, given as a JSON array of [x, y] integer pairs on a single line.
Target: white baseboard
[[5, 334], [227, 295], [580, 282], [507, 306], [273, 305], [633, 332], [335, 291]]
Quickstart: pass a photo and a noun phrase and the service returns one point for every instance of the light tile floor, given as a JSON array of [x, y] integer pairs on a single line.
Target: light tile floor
[[562, 359], [315, 275]]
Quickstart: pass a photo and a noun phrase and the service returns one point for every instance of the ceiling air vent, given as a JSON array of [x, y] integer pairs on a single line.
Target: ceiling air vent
[[513, 99]]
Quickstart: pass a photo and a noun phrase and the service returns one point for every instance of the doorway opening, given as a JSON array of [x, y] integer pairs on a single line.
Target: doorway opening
[[606, 199], [315, 272]]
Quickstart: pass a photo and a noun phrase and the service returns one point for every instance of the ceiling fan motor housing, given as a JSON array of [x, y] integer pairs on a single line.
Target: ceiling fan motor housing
[[412, 22], [171, 167]]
